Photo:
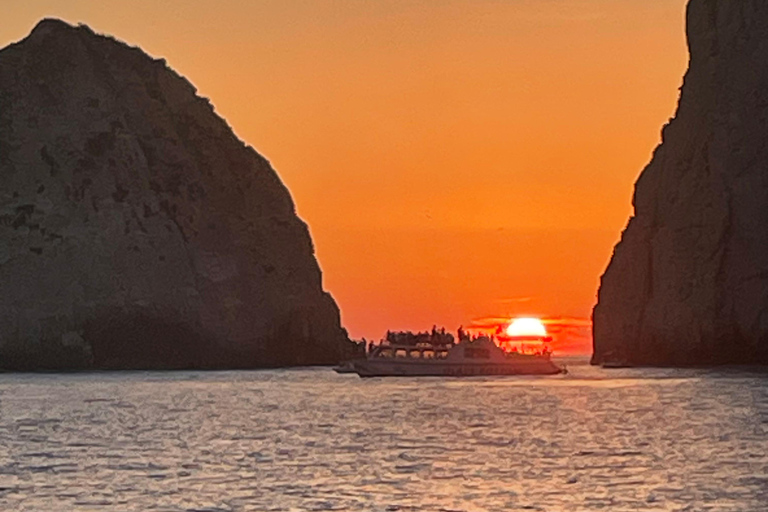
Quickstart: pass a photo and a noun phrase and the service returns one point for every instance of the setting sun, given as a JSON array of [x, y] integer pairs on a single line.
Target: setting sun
[[526, 327]]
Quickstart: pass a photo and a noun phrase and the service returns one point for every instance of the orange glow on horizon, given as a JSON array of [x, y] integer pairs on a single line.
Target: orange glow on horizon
[[566, 336], [453, 160]]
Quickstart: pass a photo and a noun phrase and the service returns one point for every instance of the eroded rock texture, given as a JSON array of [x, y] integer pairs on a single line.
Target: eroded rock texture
[[136, 231], [688, 283]]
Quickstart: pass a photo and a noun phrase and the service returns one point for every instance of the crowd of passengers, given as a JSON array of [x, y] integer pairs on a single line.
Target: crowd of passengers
[[436, 338]]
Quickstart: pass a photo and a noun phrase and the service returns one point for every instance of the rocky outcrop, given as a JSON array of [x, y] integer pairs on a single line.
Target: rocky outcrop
[[136, 230], [688, 282]]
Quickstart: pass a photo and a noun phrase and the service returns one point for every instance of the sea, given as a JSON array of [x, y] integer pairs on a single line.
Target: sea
[[312, 440]]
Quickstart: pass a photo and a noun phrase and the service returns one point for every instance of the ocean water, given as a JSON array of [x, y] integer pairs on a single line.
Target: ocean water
[[595, 439]]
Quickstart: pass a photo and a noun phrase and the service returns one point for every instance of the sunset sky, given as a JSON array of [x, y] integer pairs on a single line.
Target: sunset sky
[[455, 160]]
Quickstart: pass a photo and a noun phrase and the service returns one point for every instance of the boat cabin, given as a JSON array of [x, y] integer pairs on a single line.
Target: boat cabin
[[479, 349]]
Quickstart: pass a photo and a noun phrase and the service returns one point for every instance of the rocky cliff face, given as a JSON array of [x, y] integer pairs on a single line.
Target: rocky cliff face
[[688, 283], [136, 231]]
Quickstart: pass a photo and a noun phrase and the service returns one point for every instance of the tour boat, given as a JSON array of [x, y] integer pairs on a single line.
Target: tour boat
[[479, 356]]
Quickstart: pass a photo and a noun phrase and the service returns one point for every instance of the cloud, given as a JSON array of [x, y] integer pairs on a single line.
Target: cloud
[[514, 300]]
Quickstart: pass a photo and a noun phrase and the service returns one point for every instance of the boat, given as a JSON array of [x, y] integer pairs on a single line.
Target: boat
[[469, 357]]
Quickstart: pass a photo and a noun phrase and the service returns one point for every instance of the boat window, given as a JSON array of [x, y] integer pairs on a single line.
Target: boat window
[[415, 354], [476, 353], [428, 354], [401, 352]]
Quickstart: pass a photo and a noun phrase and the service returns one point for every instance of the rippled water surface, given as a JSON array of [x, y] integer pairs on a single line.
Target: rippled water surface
[[634, 439]]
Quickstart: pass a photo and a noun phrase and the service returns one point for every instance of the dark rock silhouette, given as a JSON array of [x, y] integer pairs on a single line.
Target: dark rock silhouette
[[688, 283], [136, 230]]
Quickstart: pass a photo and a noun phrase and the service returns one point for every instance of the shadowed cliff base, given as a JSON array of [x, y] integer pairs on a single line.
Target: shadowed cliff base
[[688, 282], [136, 230]]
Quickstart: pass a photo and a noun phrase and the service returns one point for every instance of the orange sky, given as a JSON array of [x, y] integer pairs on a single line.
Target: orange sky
[[454, 160]]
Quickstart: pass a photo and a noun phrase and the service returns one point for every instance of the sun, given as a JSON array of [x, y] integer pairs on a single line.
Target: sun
[[526, 327]]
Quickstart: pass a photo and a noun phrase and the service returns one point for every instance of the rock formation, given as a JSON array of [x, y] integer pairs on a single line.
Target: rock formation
[[688, 282], [136, 230]]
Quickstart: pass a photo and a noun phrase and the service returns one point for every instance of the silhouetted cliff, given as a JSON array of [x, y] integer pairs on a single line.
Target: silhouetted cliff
[[688, 283], [136, 230]]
